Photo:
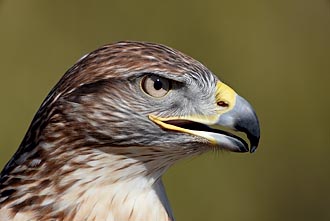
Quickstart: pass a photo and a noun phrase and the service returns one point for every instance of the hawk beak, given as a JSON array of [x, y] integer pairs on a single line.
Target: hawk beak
[[242, 118], [233, 112]]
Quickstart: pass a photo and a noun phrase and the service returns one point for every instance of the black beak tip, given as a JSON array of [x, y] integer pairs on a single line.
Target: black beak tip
[[253, 149], [253, 135], [254, 144]]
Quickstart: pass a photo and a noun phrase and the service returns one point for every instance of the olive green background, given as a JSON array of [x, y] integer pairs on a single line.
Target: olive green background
[[274, 53]]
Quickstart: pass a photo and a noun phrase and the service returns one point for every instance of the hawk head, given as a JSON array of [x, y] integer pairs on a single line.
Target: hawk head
[[109, 129]]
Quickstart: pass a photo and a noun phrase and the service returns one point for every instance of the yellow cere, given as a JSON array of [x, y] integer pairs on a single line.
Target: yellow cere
[[226, 94]]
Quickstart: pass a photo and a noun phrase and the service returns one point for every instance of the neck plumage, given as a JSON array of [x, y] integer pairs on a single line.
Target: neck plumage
[[92, 185], [114, 187]]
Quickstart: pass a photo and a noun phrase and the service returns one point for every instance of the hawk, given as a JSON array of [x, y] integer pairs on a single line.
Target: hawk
[[115, 122]]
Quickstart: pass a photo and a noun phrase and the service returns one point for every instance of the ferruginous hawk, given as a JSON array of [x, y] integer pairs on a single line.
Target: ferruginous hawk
[[106, 133]]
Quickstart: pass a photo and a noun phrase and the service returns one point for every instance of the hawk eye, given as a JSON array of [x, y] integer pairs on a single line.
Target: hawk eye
[[155, 86]]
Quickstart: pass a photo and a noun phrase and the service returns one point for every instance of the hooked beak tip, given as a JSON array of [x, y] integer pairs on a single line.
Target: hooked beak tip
[[244, 119]]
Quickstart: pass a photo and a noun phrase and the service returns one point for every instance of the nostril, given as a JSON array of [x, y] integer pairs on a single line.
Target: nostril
[[222, 104]]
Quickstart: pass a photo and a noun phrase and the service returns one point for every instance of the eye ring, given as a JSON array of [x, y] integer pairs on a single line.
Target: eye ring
[[156, 86]]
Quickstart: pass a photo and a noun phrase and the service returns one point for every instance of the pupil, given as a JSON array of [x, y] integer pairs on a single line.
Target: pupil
[[158, 84]]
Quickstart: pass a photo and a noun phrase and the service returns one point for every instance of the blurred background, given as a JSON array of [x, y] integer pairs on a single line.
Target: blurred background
[[275, 53]]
